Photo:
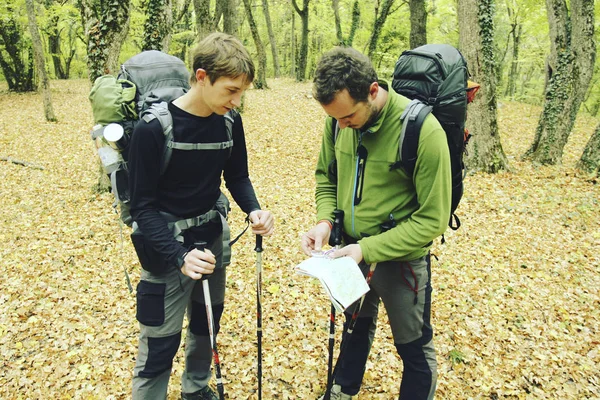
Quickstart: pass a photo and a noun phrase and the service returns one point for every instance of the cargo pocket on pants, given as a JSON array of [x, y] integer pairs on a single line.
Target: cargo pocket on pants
[[150, 308]]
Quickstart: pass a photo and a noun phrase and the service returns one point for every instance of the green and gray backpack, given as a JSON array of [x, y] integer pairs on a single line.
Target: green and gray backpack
[[142, 90]]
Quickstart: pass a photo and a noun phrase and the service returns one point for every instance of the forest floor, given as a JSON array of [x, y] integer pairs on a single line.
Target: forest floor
[[516, 304]]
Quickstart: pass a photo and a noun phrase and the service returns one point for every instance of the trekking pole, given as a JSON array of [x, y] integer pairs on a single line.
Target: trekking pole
[[336, 234], [259, 250], [348, 334], [211, 327]]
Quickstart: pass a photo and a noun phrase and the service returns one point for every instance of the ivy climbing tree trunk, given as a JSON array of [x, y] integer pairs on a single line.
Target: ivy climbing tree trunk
[[570, 69], [40, 63], [590, 159], [380, 18], [106, 25], [355, 22], [157, 28], [418, 23], [476, 33], [303, 59], [204, 22], [260, 81], [272, 39]]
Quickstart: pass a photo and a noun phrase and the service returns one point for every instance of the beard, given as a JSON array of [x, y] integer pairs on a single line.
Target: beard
[[373, 114]]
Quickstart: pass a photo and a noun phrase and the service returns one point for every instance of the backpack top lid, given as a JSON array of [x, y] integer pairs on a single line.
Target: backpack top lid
[[158, 77], [437, 75]]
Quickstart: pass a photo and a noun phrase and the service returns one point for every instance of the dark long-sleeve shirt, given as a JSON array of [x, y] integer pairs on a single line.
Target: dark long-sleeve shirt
[[190, 186]]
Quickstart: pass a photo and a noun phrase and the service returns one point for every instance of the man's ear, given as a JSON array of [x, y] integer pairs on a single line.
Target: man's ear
[[200, 75], [373, 90]]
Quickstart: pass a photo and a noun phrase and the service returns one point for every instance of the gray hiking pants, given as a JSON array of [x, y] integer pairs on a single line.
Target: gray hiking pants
[[162, 301], [405, 289]]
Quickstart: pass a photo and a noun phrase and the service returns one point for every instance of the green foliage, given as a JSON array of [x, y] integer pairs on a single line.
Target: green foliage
[[16, 52]]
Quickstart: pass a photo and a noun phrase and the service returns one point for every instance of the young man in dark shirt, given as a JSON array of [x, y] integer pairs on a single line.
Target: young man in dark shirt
[[188, 188]]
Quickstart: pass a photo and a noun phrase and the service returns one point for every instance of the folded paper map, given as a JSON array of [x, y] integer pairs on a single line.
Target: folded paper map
[[341, 278]]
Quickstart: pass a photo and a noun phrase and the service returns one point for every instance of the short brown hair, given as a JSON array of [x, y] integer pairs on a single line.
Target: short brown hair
[[343, 68], [220, 54]]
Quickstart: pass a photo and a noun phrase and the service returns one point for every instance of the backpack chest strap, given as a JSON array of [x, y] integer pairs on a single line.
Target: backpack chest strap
[[200, 146]]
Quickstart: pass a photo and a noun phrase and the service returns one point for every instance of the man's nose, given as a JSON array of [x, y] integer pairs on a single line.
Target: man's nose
[[343, 123], [236, 100]]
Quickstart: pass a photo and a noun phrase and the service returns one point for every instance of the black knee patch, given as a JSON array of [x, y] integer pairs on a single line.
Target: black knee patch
[[199, 322], [417, 376], [161, 352]]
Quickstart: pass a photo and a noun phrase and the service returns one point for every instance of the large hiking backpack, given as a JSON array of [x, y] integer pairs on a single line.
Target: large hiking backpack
[[142, 89], [435, 78]]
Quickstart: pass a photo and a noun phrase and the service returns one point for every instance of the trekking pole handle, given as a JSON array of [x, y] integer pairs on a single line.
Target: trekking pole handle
[[201, 246], [338, 226], [258, 247]]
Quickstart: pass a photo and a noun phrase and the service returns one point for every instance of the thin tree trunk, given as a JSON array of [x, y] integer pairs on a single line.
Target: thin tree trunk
[[302, 61], [355, 22], [272, 39], [418, 23], [380, 19], [476, 33], [590, 159], [511, 85], [335, 5], [293, 46], [39, 61], [570, 68], [260, 81]]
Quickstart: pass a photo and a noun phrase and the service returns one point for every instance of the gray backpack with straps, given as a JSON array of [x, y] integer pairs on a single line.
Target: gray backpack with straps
[[142, 90]]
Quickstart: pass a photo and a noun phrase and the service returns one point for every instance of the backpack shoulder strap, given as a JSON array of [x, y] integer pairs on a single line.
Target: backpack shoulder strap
[[161, 112], [229, 119], [412, 120]]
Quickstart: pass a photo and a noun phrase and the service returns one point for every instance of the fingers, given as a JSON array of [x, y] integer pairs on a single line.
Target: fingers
[[263, 222], [307, 244], [198, 263]]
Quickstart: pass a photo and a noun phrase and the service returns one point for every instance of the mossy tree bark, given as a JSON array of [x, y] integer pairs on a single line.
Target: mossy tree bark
[[569, 71], [476, 33]]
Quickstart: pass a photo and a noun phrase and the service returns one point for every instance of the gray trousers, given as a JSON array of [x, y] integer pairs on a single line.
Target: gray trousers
[[405, 290], [162, 301]]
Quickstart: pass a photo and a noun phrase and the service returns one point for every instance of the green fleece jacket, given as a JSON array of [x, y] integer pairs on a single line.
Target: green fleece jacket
[[420, 206]]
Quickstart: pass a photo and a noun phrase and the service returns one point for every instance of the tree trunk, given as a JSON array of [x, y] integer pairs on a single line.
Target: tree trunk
[[204, 22], [303, 59], [230, 24], [157, 29], [590, 159], [418, 23], [40, 64], [355, 22], [570, 68], [260, 81], [476, 33], [380, 19], [511, 85], [293, 46], [335, 5], [272, 40], [106, 35], [18, 68]]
